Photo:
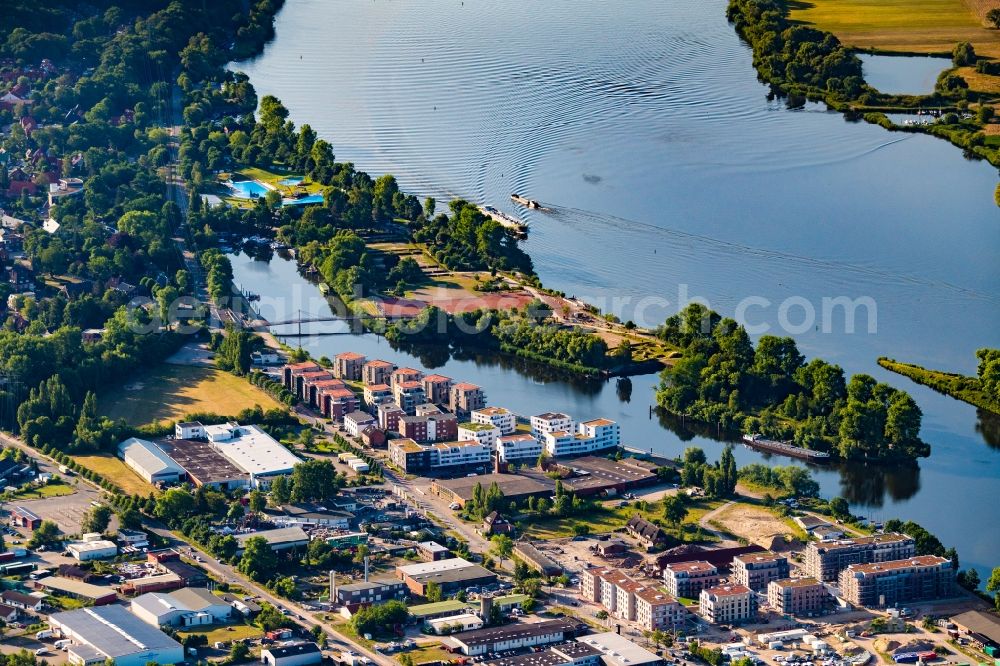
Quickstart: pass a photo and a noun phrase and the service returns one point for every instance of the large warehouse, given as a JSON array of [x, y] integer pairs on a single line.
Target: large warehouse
[[187, 607], [252, 450], [111, 632], [148, 461]]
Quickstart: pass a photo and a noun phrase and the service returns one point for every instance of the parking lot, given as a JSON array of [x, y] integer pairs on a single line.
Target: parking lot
[[66, 511]]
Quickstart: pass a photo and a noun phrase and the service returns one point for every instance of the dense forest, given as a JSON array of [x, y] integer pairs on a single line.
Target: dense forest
[[770, 389], [88, 90]]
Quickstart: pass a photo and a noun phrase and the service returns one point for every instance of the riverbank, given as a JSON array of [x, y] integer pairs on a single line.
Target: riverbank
[[807, 63], [960, 387]]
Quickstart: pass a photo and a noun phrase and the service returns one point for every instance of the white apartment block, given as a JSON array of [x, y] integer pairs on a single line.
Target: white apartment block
[[484, 433], [656, 610], [496, 416], [551, 422], [521, 446], [459, 453], [727, 604], [595, 435], [627, 599]]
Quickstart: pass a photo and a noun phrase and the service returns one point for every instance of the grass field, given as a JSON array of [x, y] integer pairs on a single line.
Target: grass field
[[117, 472], [171, 391], [224, 633], [609, 517], [57, 489], [426, 653], [923, 26]]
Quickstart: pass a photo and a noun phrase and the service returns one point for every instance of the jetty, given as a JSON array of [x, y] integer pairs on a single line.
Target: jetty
[[785, 448], [509, 221]]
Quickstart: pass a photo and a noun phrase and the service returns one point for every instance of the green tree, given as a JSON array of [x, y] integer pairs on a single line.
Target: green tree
[[97, 519], [674, 509], [281, 491], [840, 508], [963, 55], [46, 535], [993, 17], [993, 585], [258, 561], [257, 500], [502, 546], [239, 652], [432, 591]]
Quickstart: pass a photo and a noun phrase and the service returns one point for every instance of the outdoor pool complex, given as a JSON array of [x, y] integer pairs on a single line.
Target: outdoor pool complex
[[252, 189], [248, 189]]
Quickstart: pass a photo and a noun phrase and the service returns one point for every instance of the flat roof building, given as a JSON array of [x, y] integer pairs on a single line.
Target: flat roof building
[[825, 561], [451, 574], [511, 637], [92, 550], [149, 461], [727, 604], [688, 579], [253, 451], [756, 570], [884, 584], [515, 487], [297, 654], [798, 596], [616, 650], [111, 632], [283, 538], [204, 465]]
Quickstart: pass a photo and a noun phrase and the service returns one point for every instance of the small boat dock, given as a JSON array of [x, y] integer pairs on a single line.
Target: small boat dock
[[785, 448], [509, 221]]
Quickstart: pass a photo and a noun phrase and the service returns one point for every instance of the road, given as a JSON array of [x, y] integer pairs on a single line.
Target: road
[[301, 616]]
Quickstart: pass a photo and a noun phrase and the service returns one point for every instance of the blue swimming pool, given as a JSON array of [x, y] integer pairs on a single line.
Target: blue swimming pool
[[248, 189], [311, 199], [294, 180]]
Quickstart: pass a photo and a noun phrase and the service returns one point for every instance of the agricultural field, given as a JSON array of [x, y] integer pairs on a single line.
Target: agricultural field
[[169, 392], [117, 472], [921, 26]]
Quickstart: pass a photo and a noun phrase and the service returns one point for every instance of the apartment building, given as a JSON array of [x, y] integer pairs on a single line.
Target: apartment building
[[377, 372], [688, 579], [348, 366], [551, 422], [377, 395], [798, 596], [464, 398], [486, 434], [656, 610], [628, 599], [357, 421], [448, 457], [409, 394], [591, 436], [756, 570], [439, 427], [437, 388], [884, 584], [402, 375], [500, 417], [727, 604], [825, 561], [518, 447], [389, 414]]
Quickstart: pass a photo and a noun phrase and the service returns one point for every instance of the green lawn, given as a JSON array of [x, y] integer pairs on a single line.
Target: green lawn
[[608, 517], [169, 392], [223, 633], [427, 653], [923, 26], [55, 489]]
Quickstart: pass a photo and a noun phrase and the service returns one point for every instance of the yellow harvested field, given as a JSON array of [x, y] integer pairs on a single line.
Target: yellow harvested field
[[981, 82], [755, 524], [117, 472], [923, 26], [169, 392]]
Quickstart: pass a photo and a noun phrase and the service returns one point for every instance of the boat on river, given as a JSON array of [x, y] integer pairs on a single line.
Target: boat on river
[[524, 201], [784, 448], [509, 221]]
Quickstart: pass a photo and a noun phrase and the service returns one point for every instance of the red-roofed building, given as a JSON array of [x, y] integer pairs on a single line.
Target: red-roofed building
[[348, 366], [464, 398]]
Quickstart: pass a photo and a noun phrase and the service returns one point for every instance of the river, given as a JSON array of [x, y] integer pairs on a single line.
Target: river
[[668, 175]]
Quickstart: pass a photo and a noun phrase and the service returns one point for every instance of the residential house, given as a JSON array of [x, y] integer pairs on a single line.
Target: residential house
[[437, 389], [377, 372], [464, 398], [498, 417], [348, 366]]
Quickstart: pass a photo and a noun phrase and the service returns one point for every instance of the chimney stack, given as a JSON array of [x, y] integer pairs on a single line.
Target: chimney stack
[[366, 568]]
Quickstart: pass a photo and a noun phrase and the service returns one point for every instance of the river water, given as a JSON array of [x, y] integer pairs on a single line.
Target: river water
[[668, 175]]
